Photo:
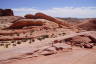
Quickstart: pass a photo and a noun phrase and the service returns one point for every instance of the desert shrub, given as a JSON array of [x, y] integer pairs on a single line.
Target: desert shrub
[[33, 40], [12, 41], [43, 37], [39, 38], [32, 31], [7, 45], [63, 33], [17, 34], [24, 40], [18, 42], [14, 44], [59, 34], [30, 41], [1, 44]]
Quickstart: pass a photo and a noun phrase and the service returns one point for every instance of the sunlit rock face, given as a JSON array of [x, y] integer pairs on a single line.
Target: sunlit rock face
[[25, 22], [50, 18]]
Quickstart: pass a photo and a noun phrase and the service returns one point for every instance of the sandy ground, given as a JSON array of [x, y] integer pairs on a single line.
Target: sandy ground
[[76, 56]]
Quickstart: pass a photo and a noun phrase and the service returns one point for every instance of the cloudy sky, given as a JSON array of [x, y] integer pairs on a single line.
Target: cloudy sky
[[57, 8]]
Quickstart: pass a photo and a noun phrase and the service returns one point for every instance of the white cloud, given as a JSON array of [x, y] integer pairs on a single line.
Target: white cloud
[[82, 12]]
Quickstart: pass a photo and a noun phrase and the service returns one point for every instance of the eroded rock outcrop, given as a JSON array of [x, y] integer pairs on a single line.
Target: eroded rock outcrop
[[33, 22], [29, 16], [89, 25], [25, 22], [44, 16], [6, 12], [1, 12]]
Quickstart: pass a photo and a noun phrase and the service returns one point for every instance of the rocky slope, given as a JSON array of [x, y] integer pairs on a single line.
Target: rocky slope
[[89, 25], [33, 36]]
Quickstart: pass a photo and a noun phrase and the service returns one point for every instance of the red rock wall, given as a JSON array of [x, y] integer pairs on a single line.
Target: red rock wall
[[6, 12]]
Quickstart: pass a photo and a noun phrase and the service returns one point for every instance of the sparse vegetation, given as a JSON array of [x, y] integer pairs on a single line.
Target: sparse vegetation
[[33, 40], [17, 34], [63, 34], [43, 37], [14, 44], [1, 44], [7, 45], [12, 41], [18, 42], [41, 34], [30, 41], [32, 31]]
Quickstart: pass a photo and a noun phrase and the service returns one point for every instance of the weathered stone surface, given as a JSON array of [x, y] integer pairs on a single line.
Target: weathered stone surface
[[44, 16], [62, 46], [29, 16], [33, 22], [25, 22], [81, 39], [46, 53], [89, 25], [6, 12], [1, 12], [88, 45], [49, 49]]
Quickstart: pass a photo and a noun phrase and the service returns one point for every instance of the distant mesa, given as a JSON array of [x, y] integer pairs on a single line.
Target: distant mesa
[[6, 12]]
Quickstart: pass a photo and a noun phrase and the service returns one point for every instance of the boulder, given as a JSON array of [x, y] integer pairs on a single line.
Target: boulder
[[88, 45], [81, 39]]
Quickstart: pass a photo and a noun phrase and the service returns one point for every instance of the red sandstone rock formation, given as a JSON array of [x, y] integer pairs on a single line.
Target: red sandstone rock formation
[[6, 12], [29, 16], [44, 16], [88, 25], [25, 22], [34, 22], [81, 39], [1, 12]]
